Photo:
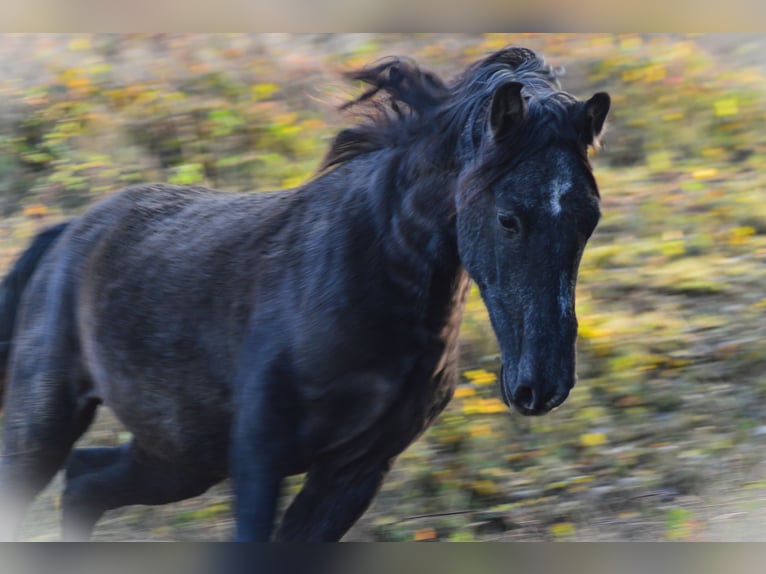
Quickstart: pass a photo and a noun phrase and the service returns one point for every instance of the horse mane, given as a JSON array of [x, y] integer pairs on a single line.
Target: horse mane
[[528, 67], [404, 98], [401, 93], [472, 93]]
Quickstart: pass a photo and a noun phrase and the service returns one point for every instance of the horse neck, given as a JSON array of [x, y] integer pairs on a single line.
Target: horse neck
[[420, 244]]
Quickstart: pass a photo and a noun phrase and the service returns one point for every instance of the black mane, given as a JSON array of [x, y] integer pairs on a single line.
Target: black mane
[[404, 99], [409, 93], [472, 93]]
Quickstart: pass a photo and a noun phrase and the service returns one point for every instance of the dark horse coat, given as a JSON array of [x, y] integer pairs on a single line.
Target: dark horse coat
[[307, 330]]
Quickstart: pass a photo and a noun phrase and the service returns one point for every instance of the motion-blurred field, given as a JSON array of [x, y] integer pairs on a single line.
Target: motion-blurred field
[[664, 436]]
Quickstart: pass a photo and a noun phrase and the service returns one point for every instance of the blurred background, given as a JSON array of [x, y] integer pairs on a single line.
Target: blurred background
[[664, 436]]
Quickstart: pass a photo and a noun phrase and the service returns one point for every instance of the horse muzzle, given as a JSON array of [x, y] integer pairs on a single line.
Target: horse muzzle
[[529, 398]]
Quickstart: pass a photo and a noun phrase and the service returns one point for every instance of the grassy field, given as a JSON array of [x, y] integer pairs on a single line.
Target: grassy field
[[663, 438]]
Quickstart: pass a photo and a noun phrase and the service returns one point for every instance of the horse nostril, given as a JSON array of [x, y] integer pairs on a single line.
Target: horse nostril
[[555, 399], [524, 397]]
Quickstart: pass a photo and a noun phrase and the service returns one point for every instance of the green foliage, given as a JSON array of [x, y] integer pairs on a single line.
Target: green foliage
[[187, 174], [180, 118]]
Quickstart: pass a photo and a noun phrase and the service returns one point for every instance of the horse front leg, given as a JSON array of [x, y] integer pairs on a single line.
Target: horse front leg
[[330, 502], [262, 454], [257, 483]]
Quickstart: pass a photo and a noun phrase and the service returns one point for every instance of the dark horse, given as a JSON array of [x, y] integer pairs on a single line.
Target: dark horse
[[308, 330]]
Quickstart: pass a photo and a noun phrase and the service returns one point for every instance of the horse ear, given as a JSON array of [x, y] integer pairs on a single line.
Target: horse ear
[[596, 110], [508, 108]]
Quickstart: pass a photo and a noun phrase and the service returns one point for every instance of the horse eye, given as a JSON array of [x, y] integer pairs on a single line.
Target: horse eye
[[510, 223]]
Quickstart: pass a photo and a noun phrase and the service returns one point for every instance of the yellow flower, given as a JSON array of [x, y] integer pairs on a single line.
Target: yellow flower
[[726, 107], [704, 173], [424, 534], [562, 529], [480, 430], [36, 210], [492, 406], [463, 392], [593, 439], [480, 377]]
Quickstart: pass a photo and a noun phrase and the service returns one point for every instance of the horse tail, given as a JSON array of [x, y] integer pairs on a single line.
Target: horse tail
[[12, 288]]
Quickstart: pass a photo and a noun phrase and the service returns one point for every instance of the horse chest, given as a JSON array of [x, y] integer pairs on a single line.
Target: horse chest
[[377, 413]]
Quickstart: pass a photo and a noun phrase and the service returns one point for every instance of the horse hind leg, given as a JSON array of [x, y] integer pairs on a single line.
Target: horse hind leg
[[101, 479], [42, 423], [47, 406]]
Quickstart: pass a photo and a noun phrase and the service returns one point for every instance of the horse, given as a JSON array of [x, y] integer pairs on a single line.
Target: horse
[[310, 330]]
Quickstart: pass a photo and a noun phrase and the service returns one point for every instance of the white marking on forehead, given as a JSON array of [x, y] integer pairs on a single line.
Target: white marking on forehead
[[561, 185], [559, 188]]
